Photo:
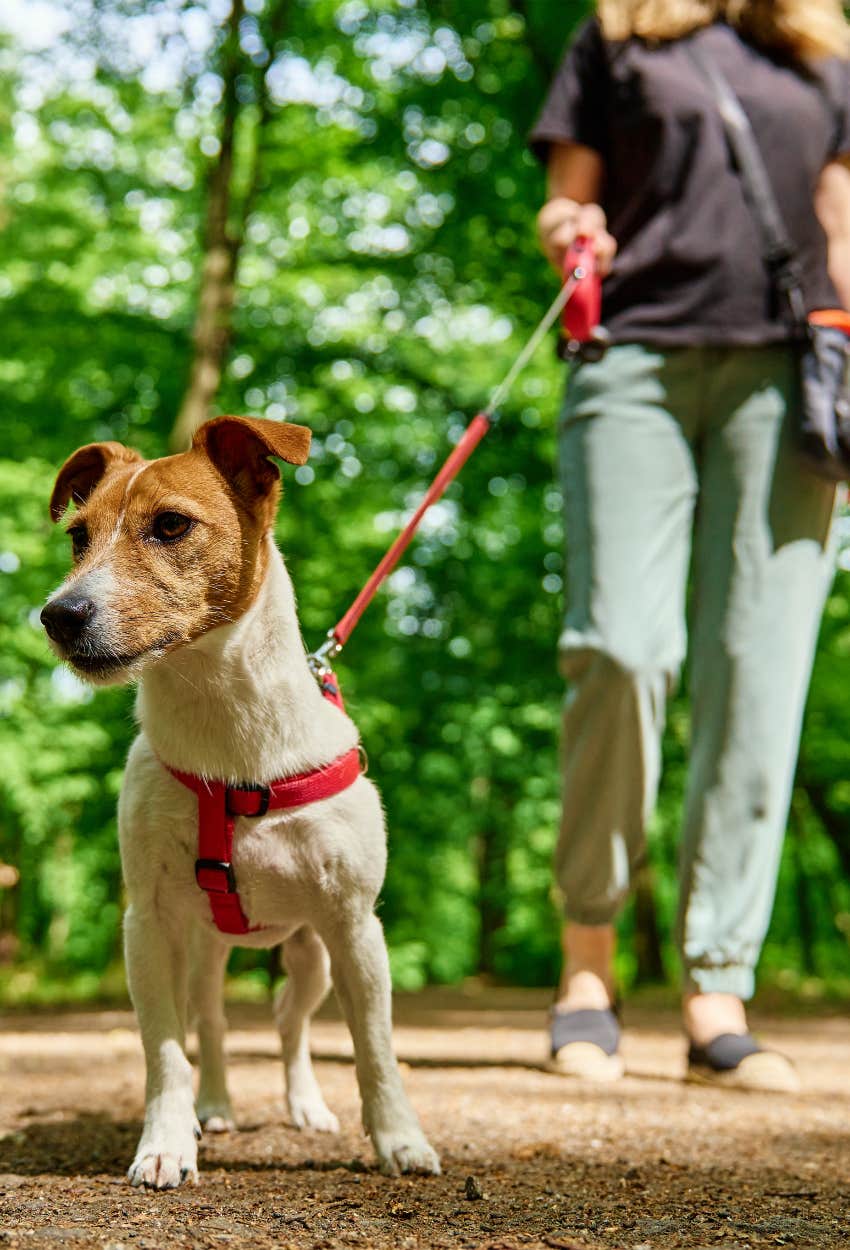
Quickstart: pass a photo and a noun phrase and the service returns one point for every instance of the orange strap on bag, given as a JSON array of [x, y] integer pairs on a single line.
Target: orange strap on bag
[[836, 318]]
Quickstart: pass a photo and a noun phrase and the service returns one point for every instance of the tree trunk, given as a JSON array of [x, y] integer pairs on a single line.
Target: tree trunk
[[805, 913], [213, 322], [224, 233], [492, 856], [650, 962], [835, 824]]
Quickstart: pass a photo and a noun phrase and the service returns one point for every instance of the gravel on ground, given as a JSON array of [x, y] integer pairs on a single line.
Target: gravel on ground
[[530, 1159]]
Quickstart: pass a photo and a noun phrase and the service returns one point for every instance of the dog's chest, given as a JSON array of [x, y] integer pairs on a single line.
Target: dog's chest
[[281, 860], [286, 866]]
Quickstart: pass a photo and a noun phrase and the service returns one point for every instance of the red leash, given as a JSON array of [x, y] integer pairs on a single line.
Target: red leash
[[581, 280], [472, 436]]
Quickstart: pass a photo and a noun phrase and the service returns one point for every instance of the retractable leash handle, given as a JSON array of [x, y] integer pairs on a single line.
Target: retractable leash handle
[[321, 659], [582, 336]]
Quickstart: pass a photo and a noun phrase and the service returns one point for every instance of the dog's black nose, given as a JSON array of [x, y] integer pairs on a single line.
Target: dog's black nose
[[65, 619]]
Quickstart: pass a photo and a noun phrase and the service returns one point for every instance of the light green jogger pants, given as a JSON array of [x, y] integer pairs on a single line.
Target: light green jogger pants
[[659, 448]]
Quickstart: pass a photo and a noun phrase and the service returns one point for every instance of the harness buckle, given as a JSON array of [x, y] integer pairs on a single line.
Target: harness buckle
[[215, 866], [263, 794]]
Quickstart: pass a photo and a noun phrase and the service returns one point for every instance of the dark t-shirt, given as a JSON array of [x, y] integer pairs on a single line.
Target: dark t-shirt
[[688, 268]]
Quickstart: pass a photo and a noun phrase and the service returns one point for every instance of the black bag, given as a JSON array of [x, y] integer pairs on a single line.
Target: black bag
[[825, 406], [824, 418]]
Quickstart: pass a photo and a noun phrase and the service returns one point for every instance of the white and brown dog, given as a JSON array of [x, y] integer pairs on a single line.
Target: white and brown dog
[[241, 818]]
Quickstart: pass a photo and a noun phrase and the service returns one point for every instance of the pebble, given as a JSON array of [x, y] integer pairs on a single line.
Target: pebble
[[472, 1189]]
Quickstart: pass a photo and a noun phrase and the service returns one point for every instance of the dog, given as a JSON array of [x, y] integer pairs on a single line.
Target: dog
[[177, 583]]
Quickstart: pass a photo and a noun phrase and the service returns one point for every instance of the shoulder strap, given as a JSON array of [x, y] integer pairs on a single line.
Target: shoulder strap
[[778, 250]]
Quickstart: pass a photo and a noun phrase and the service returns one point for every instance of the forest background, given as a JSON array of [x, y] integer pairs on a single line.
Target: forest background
[[324, 212]]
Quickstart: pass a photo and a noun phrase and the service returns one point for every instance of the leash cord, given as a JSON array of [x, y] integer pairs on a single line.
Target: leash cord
[[545, 324], [337, 637]]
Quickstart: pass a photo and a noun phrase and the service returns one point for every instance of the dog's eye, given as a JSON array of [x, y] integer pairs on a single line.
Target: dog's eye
[[168, 527], [79, 540]]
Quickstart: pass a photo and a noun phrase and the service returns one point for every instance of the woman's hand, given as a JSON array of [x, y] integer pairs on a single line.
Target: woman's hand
[[561, 220]]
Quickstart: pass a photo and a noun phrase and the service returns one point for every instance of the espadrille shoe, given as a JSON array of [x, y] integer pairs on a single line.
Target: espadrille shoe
[[585, 1044], [737, 1061]]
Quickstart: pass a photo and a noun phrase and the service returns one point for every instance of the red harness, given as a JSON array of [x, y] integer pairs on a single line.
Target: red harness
[[219, 804]]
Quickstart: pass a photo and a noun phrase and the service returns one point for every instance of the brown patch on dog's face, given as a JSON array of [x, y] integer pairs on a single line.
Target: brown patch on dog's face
[[165, 550]]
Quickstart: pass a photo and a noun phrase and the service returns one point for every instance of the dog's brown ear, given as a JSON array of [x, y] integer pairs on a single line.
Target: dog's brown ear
[[82, 471], [240, 448]]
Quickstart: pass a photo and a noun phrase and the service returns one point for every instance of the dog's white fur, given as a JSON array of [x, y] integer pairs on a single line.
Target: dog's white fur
[[240, 703]]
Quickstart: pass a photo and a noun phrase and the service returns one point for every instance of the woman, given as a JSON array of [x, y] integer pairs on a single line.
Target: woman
[[678, 443]]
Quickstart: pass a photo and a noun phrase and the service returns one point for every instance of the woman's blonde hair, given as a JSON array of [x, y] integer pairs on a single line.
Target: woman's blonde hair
[[807, 29]]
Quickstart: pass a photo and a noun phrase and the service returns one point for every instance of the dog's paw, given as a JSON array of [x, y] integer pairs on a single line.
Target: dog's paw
[[405, 1150], [311, 1111], [218, 1124], [216, 1117], [162, 1170]]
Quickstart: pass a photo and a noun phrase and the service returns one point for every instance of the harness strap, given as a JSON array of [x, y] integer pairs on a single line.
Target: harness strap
[[219, 804]]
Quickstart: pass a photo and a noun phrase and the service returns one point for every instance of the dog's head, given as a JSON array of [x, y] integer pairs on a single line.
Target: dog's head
[[164, 550]]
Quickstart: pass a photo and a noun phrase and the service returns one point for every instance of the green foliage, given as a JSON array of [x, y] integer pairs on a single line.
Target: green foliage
[[62, 752], [388, 276]]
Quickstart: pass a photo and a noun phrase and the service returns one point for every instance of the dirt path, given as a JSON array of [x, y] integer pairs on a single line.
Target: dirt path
[[650, 1163]]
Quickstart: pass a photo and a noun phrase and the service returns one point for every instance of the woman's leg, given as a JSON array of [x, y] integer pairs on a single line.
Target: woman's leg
[[587, 978], [763, 566], [629, 486]]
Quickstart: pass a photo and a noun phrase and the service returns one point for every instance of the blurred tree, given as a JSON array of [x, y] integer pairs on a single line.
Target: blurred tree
[[222, 243], [244, 90]]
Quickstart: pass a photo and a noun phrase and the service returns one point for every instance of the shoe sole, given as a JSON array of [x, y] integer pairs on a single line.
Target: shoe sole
[[585, 1061], [765, 1072]]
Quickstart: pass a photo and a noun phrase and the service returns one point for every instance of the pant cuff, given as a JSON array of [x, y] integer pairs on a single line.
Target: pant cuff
[[601, 914], [734, 979]]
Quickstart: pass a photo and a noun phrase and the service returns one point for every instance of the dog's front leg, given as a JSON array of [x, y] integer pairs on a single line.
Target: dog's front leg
[[156, 976], [361, 977]]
